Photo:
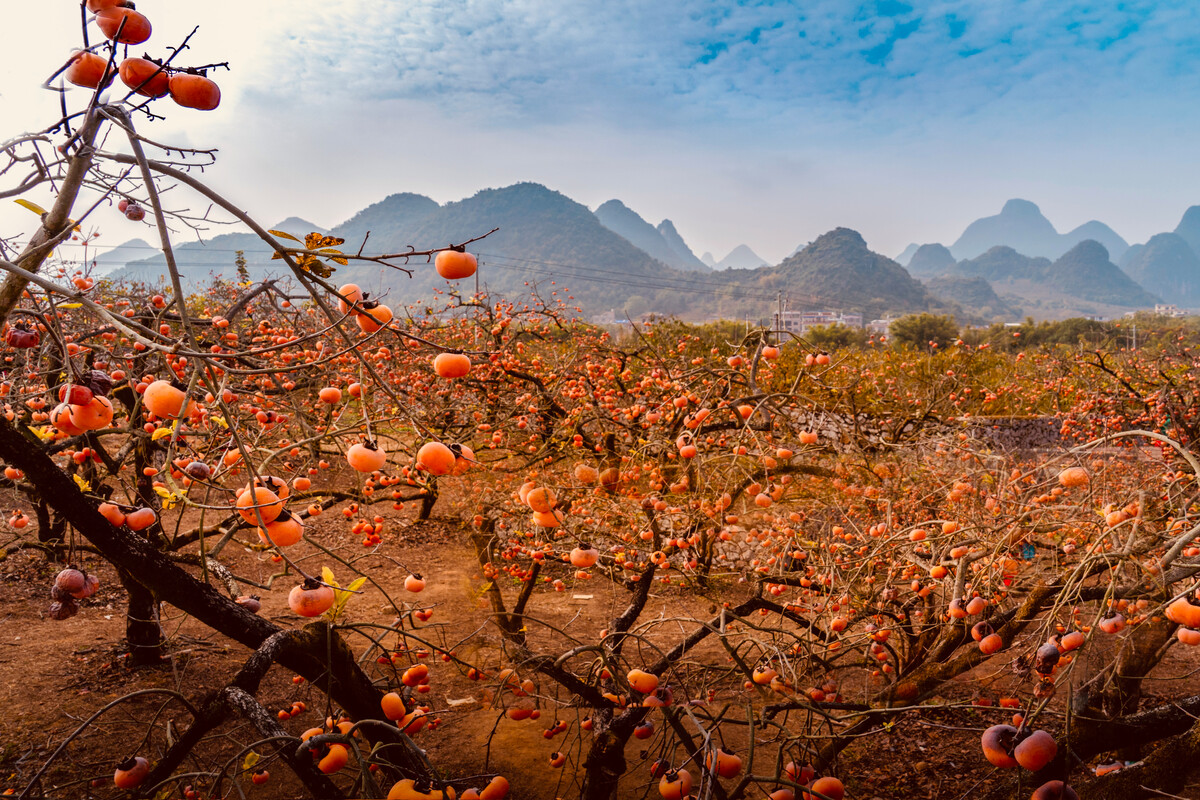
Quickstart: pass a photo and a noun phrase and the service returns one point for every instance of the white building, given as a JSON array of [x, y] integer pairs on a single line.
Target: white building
[[801, 322]]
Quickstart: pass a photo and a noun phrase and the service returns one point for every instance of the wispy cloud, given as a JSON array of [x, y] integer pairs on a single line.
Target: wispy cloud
[[681, 62]]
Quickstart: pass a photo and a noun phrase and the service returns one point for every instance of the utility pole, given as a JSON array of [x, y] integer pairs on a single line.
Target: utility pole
[[778, 314], [475, 327]]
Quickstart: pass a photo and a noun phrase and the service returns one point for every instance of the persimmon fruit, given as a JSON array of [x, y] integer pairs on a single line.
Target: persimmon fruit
[[194, 91], [541, 499], [164, 400], [641, 681], [830, 788], [131, 772], [675, 785], [259, 503], [451, 365], [366, 457], [136, 28], [727, 764], [1054, 790], [144, 77], [88, 70], [1072, 477], [349, 294], [998, 742], [582, 557], [140, 519], [92, 416], [454, 265], [310, 599], [435, 458], [374, 318], [1035, 751], [284, 531]]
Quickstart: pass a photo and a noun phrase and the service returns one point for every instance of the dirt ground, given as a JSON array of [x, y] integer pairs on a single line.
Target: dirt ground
[[55, 674]]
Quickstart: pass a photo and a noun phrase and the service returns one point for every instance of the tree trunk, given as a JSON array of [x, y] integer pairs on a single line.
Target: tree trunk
[[57, 220], [143, 631], [1122, 688], [428, 499], [51, 528]]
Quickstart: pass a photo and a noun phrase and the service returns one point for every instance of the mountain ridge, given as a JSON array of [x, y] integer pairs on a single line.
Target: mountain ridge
[[624, 221], [547, 239]]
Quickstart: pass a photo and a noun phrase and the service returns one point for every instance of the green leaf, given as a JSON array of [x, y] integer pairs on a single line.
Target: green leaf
[[283, 235], [357, 584]]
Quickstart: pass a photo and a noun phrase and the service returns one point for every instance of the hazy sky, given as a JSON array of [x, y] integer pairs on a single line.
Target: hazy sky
[[759, 122]]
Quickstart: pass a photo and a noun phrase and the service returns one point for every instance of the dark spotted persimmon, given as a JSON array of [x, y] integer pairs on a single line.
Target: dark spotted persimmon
[[131, 772]]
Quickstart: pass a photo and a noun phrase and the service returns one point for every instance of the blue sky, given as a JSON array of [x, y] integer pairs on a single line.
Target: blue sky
[[759, 122]]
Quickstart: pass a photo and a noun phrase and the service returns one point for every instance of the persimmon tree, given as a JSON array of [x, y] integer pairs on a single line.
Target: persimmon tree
[[842, 537], [170, 409]]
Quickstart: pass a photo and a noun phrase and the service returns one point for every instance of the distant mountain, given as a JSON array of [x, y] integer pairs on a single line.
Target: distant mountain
[[624, 221], [1085, 271], [199, 262], [930, 259], [1169, 267], [1189, 228], [1021, 226], [297, 227], [1002, 263], [544, 239], [666, 229], [906, 256], [1131, 256], [1099, 232], [390, 220], [605, 259], [975, 294], [109, 260], [741, 257], [839, 271]]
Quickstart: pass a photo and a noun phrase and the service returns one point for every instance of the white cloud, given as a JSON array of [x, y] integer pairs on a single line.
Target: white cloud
[[764, 122]]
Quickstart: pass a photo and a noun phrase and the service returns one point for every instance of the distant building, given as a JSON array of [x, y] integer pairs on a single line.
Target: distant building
[[878, 327], [801, 322], [1168, 310]]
